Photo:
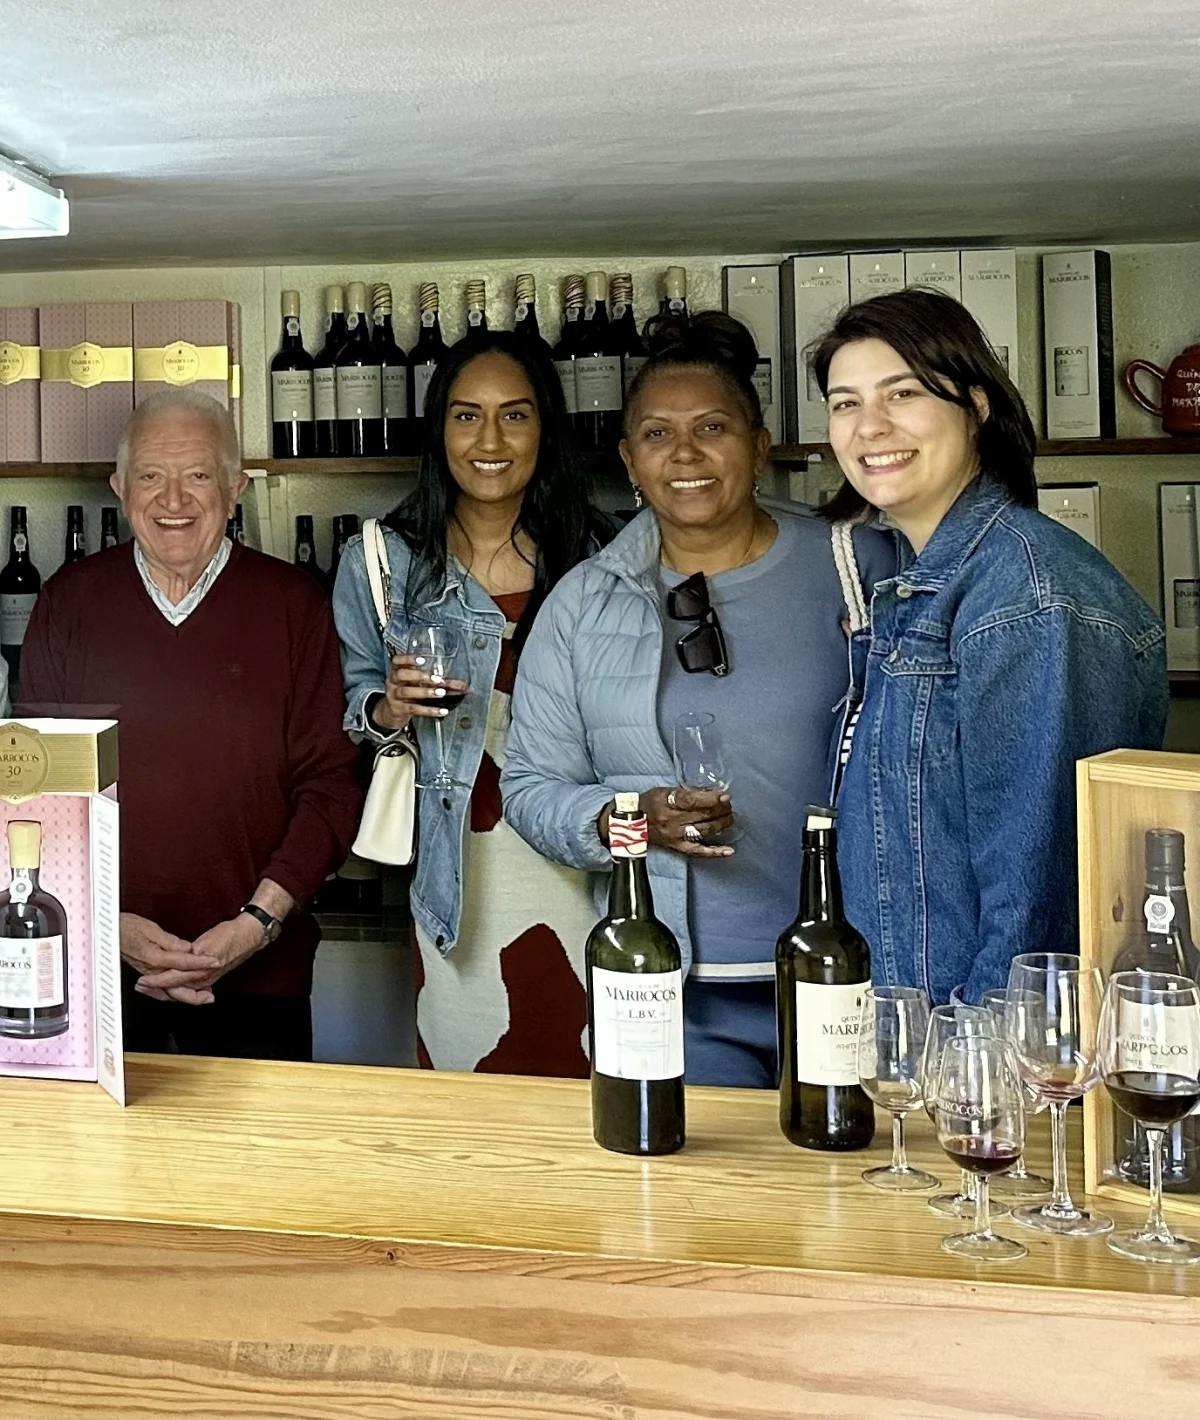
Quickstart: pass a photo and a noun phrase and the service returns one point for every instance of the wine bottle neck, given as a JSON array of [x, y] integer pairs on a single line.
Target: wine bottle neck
[[820, 884], [629, 894], [290, 338]]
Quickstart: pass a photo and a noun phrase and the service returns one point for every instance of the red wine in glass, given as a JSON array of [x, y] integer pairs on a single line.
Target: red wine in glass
[[1155, 1098], [981, 1154]]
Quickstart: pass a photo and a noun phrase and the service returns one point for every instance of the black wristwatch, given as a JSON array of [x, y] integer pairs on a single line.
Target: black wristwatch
[[271, 926]]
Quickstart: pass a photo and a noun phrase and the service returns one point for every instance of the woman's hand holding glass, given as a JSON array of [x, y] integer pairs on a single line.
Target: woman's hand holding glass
[[438, 657], [410, 692], [700, 761], [688, 820]]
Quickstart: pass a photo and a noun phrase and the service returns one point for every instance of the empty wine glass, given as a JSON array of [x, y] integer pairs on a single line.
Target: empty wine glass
[[700, 761], [1051, 1014], [891, 1042], [1017, 1182], [980, 1123], [439, 652], [1149, 1054], [946, 1022]]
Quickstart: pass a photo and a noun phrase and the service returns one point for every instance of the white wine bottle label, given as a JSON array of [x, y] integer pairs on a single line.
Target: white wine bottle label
[[638, 1024], [566, 373], [598, 383], [291, 396], [394, 385], [15, 610], [1071, 371], [324, 392], [422, 374], [31, 973], [631, 365], [359, 392], [827, 1032]]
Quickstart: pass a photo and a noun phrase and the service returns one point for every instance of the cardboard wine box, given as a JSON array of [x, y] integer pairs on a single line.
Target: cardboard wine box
[[1179, 540], [814, 289], [87, 380], [874, 273], [20, 385], [60, 978], [751, 294], [1075, 505], [989, 292], [179, 343], [936, 269], [1078, 328]]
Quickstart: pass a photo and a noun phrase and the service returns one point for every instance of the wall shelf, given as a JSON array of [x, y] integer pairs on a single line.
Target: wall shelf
[[782, 454]]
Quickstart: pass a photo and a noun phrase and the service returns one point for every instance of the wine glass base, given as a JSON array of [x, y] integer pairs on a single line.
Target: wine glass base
[[893, 1180], [1029, 1185], [984, 1247], [1077, 1224], [958, 1205], [1141, 1246]]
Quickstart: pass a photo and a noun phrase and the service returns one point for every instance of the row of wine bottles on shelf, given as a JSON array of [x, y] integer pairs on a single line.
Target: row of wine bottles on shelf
[[20, 580], [361, 395]]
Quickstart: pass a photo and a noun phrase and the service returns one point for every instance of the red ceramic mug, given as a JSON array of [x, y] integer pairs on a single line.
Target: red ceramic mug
[[1179, 406]]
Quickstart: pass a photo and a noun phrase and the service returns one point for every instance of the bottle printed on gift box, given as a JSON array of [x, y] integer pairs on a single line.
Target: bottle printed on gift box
[[1071, 371], [635, 1005], [293, 431], [33, 944], [823, 969], [20, 583], [1164, 945]]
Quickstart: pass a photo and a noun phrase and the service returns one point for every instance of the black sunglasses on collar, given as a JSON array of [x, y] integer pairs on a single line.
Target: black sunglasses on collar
[[702, 648]]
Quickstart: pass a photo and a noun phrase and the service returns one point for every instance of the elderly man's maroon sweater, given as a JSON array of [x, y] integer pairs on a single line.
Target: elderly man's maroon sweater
[[233, 762]]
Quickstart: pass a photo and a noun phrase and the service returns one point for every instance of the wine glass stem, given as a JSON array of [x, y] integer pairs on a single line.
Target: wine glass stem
[[437, 729], [983, 1215], [966, 1183], [1156, 1224], [1060, 1198], [899, 1154]]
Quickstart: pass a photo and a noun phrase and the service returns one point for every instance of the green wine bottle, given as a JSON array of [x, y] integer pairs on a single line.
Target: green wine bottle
[[822, 971], [635, 1005]]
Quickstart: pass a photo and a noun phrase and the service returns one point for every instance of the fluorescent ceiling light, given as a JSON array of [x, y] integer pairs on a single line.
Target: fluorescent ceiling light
[[29, 206]]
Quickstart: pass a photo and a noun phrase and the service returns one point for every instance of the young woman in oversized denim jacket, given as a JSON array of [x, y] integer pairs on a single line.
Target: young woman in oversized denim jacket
[[1006, 649], [617, 655], [500, 512]]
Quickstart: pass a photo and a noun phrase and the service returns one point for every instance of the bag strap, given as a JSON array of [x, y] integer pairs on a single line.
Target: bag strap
[[379, 571]]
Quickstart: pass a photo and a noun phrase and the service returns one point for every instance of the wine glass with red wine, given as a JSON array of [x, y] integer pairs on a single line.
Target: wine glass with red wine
[[1149, 1055], [439, 652], [980, 1119], [1051, 1014]]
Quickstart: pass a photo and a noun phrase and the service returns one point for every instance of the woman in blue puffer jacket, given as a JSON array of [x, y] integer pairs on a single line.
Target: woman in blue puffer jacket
[[709, 603]]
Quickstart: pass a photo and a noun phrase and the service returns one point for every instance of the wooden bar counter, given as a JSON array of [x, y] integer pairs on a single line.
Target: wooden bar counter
[[312, 1242]]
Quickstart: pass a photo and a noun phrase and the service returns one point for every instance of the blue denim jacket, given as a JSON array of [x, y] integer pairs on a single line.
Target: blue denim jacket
[[1006, 651], [436, 891]]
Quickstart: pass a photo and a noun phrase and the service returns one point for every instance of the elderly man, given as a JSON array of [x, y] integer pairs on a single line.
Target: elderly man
[[237, 786]]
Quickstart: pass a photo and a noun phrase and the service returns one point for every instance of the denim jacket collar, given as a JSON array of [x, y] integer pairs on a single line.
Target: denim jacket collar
[[958, 534]]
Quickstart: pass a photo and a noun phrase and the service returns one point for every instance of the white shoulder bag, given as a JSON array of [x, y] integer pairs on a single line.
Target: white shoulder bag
[[387, 830]]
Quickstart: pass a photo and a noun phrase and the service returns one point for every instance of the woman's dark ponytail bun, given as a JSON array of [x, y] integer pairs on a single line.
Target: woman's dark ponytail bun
[[708, 340]]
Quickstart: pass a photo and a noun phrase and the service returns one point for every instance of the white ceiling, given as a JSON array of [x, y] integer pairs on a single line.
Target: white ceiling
[[389, 130]]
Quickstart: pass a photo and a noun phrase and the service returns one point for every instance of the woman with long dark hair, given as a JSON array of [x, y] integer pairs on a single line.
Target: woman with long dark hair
[[1006, 649], [499, 513]]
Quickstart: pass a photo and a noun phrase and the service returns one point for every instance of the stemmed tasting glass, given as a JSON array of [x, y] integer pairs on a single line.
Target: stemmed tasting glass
[[1017, 1182], [1149, 1056], [980, 1121], [946, 1022], [439, 652], [1051, 1014], [700, 760], [891, 1042]]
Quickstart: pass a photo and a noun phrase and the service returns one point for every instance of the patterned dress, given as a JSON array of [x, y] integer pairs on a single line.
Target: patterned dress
[[510, 997]]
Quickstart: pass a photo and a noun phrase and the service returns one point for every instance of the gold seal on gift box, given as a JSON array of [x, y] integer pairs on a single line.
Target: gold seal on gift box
[[181, 363], [14, 360], [24, 762]]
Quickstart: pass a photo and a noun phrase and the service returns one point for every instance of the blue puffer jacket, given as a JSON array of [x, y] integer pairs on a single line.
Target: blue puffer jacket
[[585, 710]]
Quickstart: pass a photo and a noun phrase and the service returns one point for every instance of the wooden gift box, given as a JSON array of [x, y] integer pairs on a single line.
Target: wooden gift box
[[1120, 795]]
